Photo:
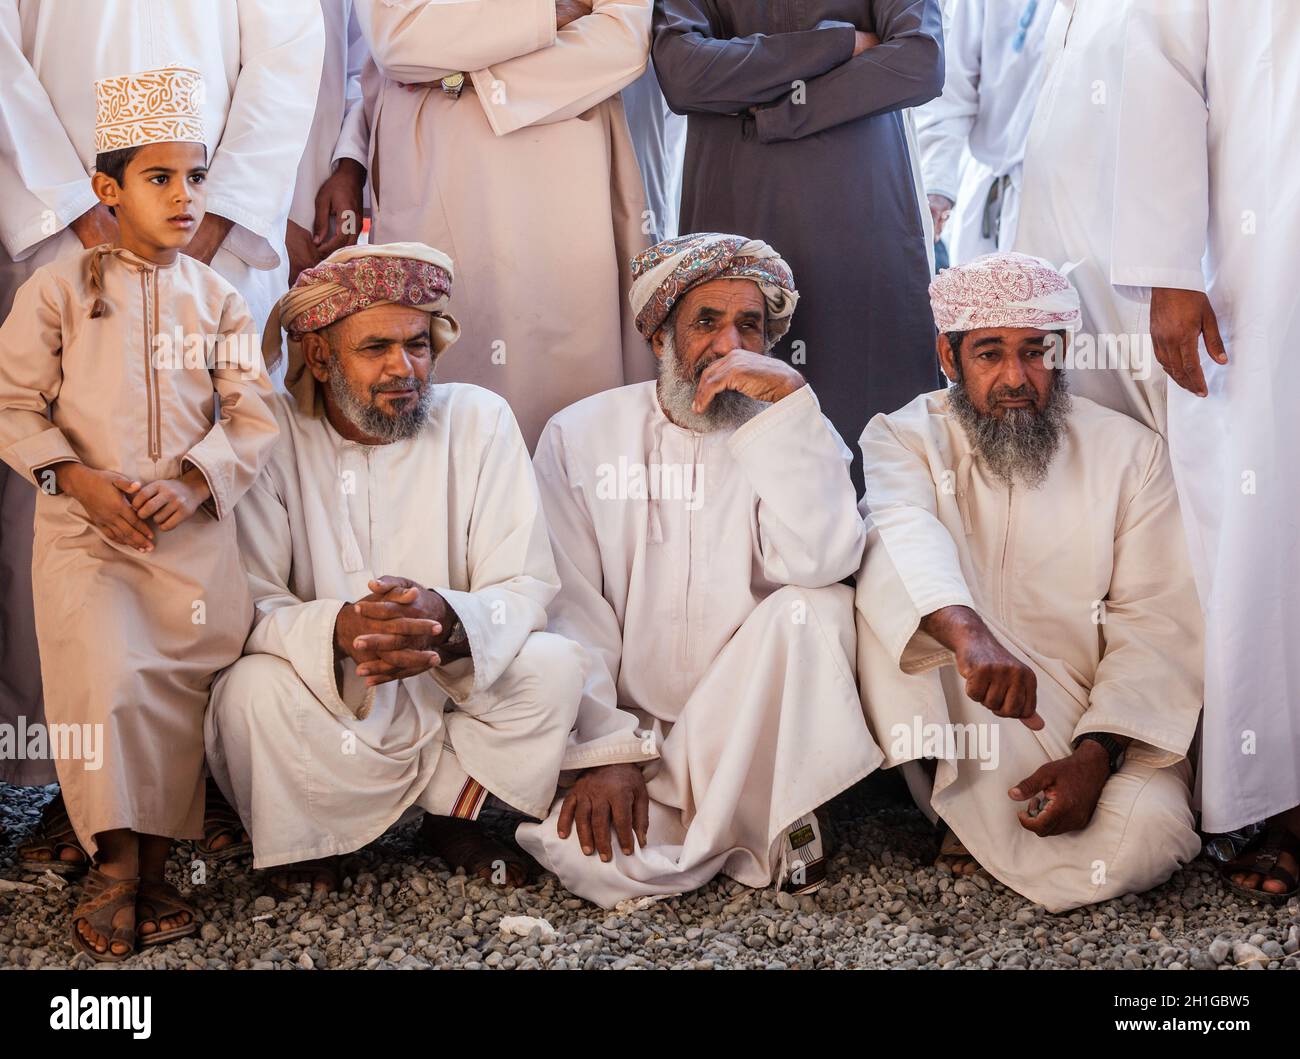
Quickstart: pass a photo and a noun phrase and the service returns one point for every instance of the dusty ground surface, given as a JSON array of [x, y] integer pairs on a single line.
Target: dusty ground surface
[[884, 905]]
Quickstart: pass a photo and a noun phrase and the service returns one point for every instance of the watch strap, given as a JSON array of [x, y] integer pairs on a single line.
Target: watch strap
[[1113, 746]]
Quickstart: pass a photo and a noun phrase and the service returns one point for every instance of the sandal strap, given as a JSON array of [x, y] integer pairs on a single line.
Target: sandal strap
[[55, 830], [1262, 857], [163, 899], [1281, 839], [102, 890]]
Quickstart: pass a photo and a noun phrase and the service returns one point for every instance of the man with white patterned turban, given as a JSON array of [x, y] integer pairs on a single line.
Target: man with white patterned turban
[[1028, 632], [400, 570], [702, 526]]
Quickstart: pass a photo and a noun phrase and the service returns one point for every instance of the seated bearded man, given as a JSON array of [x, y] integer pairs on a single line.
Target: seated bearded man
[[401, 571], [701, 527], [1026, 562]]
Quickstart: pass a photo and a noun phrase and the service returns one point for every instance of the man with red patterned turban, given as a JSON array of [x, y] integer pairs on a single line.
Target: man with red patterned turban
[[701, 527], [1028, 632], [401, 571]]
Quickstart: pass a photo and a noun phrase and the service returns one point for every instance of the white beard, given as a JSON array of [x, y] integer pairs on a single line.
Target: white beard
[[727, 411]]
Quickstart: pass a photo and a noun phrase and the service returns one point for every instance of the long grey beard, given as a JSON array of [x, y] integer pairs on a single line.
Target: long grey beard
[[1019, 447], [367, 417], [677, 385]]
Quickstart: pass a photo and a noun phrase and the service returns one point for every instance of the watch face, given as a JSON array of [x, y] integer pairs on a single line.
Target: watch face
[[453, 83]]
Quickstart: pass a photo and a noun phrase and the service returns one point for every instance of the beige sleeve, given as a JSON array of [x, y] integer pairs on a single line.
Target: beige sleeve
[[31, 342], [234, 451]]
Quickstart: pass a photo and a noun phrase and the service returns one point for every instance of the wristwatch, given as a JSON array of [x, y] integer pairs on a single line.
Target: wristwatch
[[1113, 745], [452, 84], [458, 635]]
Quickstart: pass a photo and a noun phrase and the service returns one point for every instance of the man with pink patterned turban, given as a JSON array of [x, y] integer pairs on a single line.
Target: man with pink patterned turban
[[401, 571], [701, 527], [1028, 632]]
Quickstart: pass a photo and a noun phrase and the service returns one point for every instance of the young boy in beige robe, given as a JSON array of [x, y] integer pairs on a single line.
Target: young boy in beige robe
[[132, 394]]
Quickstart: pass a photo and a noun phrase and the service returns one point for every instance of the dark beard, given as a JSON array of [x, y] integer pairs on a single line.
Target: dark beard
[[1019, 447], [371, 420]]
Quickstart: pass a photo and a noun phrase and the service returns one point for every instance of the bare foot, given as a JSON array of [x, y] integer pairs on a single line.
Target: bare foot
[[464, 844], [121, 922], [956, 858], [159, 907], [54, 840], [222, 827], [1273, 867], [322, 876]]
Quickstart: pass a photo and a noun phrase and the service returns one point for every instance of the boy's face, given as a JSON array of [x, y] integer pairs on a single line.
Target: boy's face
[[160, 201]]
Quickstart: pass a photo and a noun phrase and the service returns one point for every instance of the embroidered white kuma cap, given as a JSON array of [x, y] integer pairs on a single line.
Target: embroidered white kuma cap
[[153, 106]]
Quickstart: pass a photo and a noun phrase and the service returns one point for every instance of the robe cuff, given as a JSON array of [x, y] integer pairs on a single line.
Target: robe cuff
[[213, 457], [353, 141], [615, 752], [802, 404], [28, 455], [895, 616], [465, 676], [1173, 278], [22, 242], [921, 652], [315, 663], [1158, 746], [249, 238]]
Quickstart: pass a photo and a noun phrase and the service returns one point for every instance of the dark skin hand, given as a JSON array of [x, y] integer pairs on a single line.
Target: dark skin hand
[[95, 227], [302, 250], [567, 11], [1178, 319], [611, 793], [756, 375], [995, 678], [398, 631], [106, 497], [940, 210], [170, 501], [1072, 787], [209, 236], [339, 202]]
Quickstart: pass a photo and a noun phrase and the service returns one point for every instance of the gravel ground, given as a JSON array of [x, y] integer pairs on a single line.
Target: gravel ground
[[884, 906]]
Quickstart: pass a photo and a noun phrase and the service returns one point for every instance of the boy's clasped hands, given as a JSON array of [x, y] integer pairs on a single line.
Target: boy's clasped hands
[[122, 508]]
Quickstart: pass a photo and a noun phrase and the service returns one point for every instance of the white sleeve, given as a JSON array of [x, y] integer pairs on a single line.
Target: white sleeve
[[43, 184], [809, 531], [911, 566], [354, 135], [603, 734], [297, 630], [943, 125], [512, 574], [252, 173], [1162, 173]]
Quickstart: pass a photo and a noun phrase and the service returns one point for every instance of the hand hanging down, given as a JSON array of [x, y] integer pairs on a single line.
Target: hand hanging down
[[611, 792], [1178, 320]]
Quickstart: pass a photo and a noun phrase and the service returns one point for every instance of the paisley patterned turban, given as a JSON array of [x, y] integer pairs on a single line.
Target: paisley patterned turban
[[348, 281], [1004, 290], [662, 274]]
